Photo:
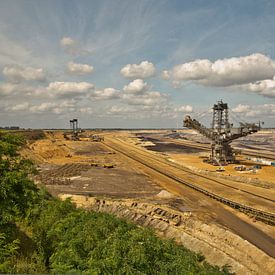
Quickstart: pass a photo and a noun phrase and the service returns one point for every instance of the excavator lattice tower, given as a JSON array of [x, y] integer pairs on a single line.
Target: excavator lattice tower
[[74, 128], [221, 133]]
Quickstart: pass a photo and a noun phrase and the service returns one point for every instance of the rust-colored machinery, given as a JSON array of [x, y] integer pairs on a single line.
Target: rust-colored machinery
[[221, 134]]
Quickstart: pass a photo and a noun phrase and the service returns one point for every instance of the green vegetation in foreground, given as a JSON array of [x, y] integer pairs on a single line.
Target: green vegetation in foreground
[[40, 234]]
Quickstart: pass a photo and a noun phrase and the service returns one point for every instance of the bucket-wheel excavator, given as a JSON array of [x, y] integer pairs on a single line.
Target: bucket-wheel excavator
[[221, 134]]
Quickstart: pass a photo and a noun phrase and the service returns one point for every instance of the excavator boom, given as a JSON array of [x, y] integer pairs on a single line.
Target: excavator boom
[[221, 134], [194, 124]]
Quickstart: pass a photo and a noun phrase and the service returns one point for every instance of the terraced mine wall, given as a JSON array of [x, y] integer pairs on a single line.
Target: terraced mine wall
[[219, 246]]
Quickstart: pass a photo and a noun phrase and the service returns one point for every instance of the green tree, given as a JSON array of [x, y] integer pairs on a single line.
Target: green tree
[[17, 194], [17, 191], [7, 250]]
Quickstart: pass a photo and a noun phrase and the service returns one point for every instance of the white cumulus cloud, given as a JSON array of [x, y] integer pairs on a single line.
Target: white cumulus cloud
[[86, 110], [121, 110], [7, 88], [105, 94], [184, 109], [146, 99], [12, 89], [195, 70], [256, 112], [19, 107], [18, 73], [165, 75], [264, 87], [137, 86], [76, 68], [143, 70], [240, 108], [45, 106], [226, 72], [67, 41], [69, 89], [72, 46]]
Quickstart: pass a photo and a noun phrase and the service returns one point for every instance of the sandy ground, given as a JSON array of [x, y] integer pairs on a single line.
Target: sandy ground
[[80, 168], [267, 173], [125, 178], [193, 157]]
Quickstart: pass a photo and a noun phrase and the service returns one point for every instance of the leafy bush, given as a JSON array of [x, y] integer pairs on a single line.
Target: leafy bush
[[17, 196], [17, 192], [75, 241], [7, 250]]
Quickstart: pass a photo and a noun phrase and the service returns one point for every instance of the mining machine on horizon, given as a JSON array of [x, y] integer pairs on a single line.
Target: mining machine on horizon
[[221, 134]]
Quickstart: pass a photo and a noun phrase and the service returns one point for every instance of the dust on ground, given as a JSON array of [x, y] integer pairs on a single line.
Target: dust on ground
[[83, 167]]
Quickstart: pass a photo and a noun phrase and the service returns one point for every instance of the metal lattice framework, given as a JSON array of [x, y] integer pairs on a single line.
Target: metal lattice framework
[[74, 127], [221, 134]]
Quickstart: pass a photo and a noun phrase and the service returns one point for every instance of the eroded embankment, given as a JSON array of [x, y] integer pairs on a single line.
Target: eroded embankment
[[219, 246]]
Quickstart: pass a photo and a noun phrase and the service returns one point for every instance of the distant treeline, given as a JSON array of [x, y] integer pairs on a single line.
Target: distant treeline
[[10, 128]]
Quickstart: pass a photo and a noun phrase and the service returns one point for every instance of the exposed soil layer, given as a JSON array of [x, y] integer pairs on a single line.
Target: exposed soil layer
[[264, 177], [167, 146], [113, 182], [91, 149], [172, 148], [89, 168]]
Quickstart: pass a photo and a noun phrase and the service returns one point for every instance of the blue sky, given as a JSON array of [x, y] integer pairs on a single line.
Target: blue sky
[[64, 59]]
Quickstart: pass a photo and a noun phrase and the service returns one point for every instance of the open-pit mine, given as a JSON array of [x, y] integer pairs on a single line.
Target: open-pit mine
[[159, 179]]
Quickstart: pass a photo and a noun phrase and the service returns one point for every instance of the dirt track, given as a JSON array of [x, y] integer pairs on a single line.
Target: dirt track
[[223, 216], [243, 193]]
